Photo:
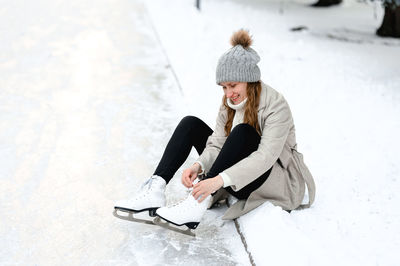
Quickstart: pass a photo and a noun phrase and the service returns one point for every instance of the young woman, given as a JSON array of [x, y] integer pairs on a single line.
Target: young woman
[[251, 153]]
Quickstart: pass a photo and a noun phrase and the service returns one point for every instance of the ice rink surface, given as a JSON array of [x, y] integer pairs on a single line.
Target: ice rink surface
[[87, 105]]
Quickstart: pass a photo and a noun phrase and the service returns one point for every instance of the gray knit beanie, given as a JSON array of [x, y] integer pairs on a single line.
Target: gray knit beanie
[[239, 63]]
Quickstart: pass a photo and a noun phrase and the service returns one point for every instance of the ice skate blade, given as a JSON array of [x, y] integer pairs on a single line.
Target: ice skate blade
[[172, 227], [129, 216], [152, 210]]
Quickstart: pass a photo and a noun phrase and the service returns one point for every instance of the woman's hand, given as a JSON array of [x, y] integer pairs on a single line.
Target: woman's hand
[[190, 174], [206, 187]]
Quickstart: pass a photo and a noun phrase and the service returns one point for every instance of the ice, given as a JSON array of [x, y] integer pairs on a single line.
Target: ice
[[87, 105]]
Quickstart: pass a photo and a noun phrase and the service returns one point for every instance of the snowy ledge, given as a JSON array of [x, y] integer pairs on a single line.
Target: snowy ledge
[[337, 90]]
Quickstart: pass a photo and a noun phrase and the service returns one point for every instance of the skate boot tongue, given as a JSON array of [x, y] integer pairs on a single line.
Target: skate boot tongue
[[146, 184], [149, 182]]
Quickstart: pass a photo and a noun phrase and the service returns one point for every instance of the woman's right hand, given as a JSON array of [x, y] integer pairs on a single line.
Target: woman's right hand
[[190, 174]]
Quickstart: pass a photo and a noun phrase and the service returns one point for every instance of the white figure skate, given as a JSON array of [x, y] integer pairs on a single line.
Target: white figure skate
[[186, 212], [150, 197]]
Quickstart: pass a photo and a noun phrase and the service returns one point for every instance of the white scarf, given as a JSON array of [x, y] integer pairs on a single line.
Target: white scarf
[[239, 114]]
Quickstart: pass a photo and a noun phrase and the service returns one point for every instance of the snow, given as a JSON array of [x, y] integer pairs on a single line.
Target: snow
[[342, 83]]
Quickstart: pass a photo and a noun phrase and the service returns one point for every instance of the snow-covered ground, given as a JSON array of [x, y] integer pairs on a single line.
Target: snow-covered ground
[[343, 85], [87, 105]]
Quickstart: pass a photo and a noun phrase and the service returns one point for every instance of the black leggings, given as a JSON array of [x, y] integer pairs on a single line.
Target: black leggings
[[193, 132]]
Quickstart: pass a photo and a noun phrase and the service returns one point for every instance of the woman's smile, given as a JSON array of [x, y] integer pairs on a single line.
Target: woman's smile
[[235, 99], [235, 91]]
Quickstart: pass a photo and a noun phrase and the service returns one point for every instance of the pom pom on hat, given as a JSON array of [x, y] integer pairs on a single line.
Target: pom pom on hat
[[241, 37]]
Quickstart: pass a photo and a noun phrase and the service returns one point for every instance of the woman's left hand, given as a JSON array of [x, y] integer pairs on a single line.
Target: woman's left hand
[[206, 187]]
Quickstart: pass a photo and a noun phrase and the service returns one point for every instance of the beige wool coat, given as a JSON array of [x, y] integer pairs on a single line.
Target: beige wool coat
[[277, 149]]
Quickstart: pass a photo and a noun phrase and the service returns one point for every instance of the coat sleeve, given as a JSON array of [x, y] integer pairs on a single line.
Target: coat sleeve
[[278, 120], [215, 141]]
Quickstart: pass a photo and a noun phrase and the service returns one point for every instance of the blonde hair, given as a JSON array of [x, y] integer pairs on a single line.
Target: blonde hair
[[253, 91]]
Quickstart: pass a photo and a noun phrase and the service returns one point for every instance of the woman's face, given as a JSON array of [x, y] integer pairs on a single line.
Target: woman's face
[[236, 91]]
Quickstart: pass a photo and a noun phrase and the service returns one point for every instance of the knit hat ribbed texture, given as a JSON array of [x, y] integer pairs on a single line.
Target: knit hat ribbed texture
[[239, 63]]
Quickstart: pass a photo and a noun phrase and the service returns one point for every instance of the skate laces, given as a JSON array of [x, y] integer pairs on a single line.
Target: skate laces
[[146, 187], [192, 201], [185, 200], [148, 182], [181, 201], [189, 194]]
